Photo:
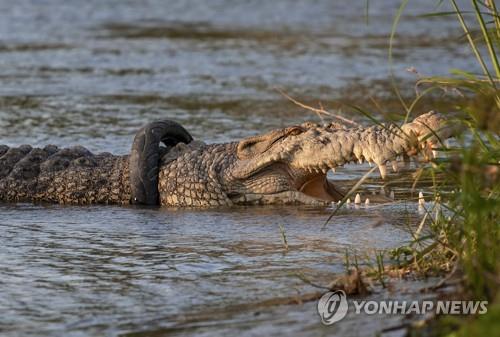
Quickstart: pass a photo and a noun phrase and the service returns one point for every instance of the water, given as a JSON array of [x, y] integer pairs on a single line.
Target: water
[[93, 72], [116, 270]]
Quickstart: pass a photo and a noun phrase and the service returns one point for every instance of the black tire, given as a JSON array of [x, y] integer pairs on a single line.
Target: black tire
[[145, 158]]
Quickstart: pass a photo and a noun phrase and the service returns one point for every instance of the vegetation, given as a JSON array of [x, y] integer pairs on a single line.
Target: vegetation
[[467, 228], [460, 232], [464, 222], [459, 235]]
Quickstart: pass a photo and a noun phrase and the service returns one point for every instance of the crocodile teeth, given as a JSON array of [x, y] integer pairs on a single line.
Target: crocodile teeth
[[395, 166], [427, 152], [360, 160], [324, 170], [367, 201], [334, 169], [357, 199], [421, 200], [383, 170], [434, 154]]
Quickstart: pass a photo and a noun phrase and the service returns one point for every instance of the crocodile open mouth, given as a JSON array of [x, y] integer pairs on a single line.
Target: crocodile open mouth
[[320, 188]]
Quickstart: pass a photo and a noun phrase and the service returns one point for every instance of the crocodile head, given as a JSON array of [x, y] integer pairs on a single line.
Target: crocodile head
[[290, 165]]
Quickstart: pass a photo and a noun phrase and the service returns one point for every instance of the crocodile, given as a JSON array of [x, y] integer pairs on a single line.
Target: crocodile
[[167, 167]]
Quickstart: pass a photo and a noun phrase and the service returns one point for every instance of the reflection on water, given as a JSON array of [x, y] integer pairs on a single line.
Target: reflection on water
[[93, 72]]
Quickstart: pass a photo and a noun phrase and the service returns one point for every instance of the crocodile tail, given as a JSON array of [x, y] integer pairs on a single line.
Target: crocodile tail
[[145, 158]]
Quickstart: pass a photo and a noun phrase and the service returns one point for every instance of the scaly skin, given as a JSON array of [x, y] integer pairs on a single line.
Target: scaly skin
[[68, 176], [286, 166]]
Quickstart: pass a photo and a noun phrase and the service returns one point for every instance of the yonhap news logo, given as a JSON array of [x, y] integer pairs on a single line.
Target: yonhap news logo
[[333, 306]]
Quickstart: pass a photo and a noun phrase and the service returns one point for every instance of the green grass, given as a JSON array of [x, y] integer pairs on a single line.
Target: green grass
[[470, 231], [283, 237], [460, 231], [465, 236]]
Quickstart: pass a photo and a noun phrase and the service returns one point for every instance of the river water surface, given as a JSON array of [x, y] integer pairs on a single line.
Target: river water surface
[[92, 72]]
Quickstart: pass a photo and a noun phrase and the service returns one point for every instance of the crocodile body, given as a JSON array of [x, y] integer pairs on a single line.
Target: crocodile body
[[282, 166], [68, 176]]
